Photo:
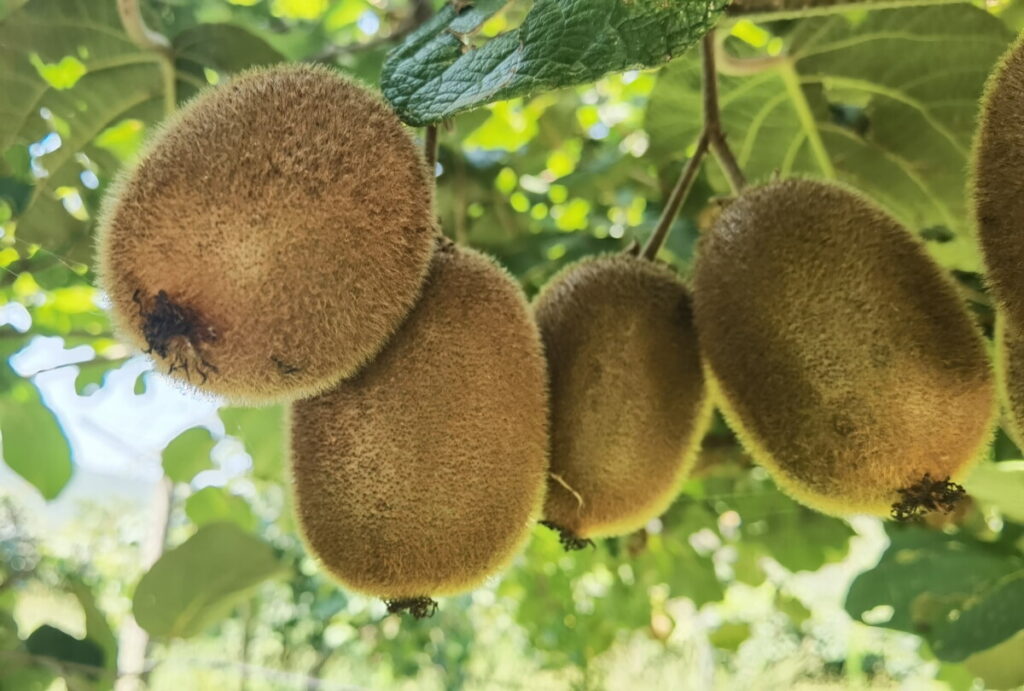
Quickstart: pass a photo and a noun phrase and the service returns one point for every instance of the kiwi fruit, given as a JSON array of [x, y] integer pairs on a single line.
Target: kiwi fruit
[[422, 475], [629, 404], [271, 237], [999, 213], [840, 353]]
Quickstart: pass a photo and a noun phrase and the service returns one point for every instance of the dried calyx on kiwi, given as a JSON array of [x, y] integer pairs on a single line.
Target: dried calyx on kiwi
[[271, 237], [842, 355], [629, 404], [422, 475]]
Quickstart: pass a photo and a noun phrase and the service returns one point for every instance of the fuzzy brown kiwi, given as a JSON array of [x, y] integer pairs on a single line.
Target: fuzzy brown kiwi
[[998, 167], [272, 236], [629, 404], [422, 475], [842, 355]]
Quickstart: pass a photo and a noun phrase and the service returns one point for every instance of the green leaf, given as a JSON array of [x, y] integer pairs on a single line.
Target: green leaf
[[97, 630], [51, 642], [214, 504], [886, 104], [34, 445], [120, 81], [197, 583], [730, 636], [961, 595], [222, 47], [1001, 485], [262, 431], [773, 525], [983, 621], [44, 46], [188, 454], [435, 74], [1002, 666]]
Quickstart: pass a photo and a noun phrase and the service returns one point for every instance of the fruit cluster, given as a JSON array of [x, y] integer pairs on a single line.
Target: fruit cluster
[[277, 241]]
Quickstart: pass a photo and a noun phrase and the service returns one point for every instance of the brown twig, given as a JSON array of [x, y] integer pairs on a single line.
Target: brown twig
[[149, 40], [712, 120], [712, 138], [675, 200], [768, 10], [430, 147]]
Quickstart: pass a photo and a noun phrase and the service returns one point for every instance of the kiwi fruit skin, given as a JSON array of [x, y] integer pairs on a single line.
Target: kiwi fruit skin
[[275, 232], [424, 474], [629, 404], [998, 166], [838, 351]]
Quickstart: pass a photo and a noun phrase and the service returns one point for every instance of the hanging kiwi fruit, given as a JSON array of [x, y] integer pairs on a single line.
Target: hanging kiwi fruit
[[840, 353], [998, 166], [423, 475], [629, 405], [271, 237]]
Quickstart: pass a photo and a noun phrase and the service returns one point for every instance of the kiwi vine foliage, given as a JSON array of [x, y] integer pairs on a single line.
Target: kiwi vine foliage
[[882, 100]]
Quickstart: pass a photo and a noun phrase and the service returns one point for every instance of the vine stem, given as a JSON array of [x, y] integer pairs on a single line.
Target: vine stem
[[147, 39], [430, 147], [771, 10], [675, 200], [712, 138], [712, 119]]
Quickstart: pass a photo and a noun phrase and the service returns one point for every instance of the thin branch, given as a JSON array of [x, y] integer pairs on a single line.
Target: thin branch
[[728, 64], [430, 147], [770, 10], [675, 200], [149, 40], [135, 26], [134, 643], [712, 121], [712, 139], [82, 363]]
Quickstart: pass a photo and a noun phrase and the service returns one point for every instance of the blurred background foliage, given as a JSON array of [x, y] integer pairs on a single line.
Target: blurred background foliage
[[146, 531]]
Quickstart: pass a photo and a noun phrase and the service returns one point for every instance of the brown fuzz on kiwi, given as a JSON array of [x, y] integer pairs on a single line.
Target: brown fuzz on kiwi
[[998, 166], [629, 404], [842, 355], [271, 237], [422, 475]]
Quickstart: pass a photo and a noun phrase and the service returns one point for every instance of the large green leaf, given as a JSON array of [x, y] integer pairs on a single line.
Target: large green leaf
[[34, 445], [1000, 485], [98, 631], [262, 431], [51, 642], [961, 595], [771, 524], [222, 47], [216, 504], [887, 104], [434, 74], [71, 59], [120, 81], [193, 585], [188, 454]]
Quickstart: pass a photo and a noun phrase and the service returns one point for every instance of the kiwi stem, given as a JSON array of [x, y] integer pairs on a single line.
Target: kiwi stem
[[147, 39], [712, 120], [675, 200], [712, 139], [430, 147]]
